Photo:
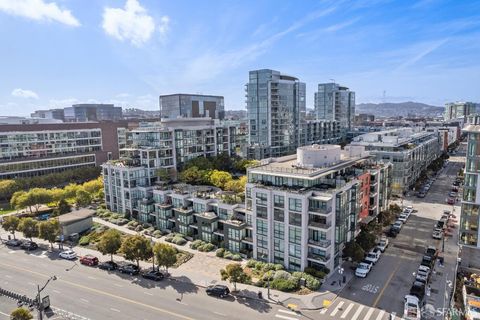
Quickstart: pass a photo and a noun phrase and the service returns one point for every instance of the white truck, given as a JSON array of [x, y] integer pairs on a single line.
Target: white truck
[[411, 309]]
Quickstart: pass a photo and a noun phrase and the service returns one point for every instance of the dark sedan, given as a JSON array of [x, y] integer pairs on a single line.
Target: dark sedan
[[129, 268], [108, 265], [14, 242], [29, 246], [153, 275]]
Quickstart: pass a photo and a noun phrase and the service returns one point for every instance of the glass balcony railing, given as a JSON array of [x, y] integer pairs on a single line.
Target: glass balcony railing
[[320, 243]]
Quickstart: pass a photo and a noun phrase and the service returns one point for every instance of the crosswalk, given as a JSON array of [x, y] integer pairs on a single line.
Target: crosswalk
[[342, 309], [287, 315]]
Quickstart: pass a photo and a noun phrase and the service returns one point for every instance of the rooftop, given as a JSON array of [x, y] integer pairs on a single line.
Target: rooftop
[[74, 216]]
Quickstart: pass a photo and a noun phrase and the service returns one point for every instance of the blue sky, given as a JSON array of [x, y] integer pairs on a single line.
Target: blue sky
[[58, 52]]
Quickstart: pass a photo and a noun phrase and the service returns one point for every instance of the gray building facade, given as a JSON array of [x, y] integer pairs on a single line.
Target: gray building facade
[[92, 112], [174, 106]]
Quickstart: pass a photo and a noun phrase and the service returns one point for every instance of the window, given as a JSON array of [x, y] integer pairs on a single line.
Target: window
[[262, 242], [278, 245], [261, 198], [295, 250], [278, 215], [295, 235], [261, 212], [262, 227], [295, 219], [234, 234], [278, 201], [278, 230], [295, 204]]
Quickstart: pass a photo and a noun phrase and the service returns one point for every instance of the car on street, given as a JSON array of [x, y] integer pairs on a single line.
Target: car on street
[[408, 210], [428, 261], [108, 265], [383, 244], [89, 260], [393, 231], [431, 251], [454, 188], [68, 254], [421, 195], [418, 290], [218, 290], [154, 275], [398, 224], [451, 201], [452, 194], [128, 268], [14, 242], [29, 245], [363, 269], [411, 309], [423, 271], [373, 255], [437, 234], [403, 217]]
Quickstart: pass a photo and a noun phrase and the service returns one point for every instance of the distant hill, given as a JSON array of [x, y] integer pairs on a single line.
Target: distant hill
[[403, 109]]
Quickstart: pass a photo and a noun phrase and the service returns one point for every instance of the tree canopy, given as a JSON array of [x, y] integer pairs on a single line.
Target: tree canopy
[[29, 227], [110, 242], [49, 230], [136, 248], [165, 255], [10, 223], [234, 273], [21, 314]]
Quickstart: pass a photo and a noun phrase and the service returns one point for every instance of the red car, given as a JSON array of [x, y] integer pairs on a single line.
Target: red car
[[451, 201], [89, 260]]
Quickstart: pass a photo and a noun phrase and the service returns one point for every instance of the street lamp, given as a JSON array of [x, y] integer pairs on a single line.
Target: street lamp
[[265, 256], [39, 300], [340, 272]]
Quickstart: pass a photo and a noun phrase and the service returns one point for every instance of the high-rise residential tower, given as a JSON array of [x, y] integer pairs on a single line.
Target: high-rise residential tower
[[276, 113], [335, 102], [174, 106], [455, 110]]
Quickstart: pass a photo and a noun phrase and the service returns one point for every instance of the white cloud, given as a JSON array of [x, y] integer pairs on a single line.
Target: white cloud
[[39, 10], [27, 94], [424, 50], [342, 25], [164, 25], [131, 23]]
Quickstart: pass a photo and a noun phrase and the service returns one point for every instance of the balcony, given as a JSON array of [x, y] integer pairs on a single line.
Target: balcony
[[320, 210], [247, 240], [319, 224], [320, 243], [317, 257]]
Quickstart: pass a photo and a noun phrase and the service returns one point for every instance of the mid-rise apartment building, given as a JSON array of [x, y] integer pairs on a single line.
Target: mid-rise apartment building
[[92, 112], [304, 208], [455, 110], [276, 113], [411, 150], [57, 114], [174, 106], [36, 149], [160, 147], [470, 216], [335, 102]]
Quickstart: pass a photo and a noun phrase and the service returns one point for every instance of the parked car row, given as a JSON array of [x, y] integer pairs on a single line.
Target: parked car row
[[441, 225], [425, 188], [122, 267], [371, 258], [396, 227], [422, 276]]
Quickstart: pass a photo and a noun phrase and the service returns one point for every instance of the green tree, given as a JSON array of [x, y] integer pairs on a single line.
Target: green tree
[[10, 223], [21, 314], [29, 227], [192, 175], [136, 248], [366, 240], [220, 178], [165, 255], [202, 163], [83, 198], [57, 195], [18, 200], [237, 185], [49, 230], [223, 162], [38, 196], [8, 188], [353, 250], [71, 191], [234, 273], [395, 208], [110, 242], [63, 207], [163, 174]]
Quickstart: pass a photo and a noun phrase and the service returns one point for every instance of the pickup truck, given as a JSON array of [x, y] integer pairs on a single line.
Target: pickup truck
[[411, 310], [383, 244], [373, 255]]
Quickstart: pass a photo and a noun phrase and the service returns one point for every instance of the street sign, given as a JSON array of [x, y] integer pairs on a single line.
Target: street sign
[[62, 238], [46, 302]]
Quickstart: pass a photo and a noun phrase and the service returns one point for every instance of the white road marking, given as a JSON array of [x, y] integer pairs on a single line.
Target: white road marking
[[113, 309], [93, 278], [220, 314], [56, 291], [355, 316], [12, 251], [285, 317], [148, 293], [8, 277], [84, 300], [337, 308], [350, 306], [118, 285], [380, 315], [32, 284], [369, 314], [323, 311], [182, 303], [287, 312], [4, 314]]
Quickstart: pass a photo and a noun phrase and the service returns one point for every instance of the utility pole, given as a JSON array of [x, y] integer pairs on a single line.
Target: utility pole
[[39, 304]]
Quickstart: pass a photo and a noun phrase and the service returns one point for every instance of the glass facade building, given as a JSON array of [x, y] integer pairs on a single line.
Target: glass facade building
[[192, 106]]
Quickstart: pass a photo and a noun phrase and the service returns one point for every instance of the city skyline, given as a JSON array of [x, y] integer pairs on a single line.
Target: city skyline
[[130, 52]]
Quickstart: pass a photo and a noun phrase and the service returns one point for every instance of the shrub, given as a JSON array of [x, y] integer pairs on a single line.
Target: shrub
[[236, 257], [259, 265], [278, 267], [220, 252], [284, 285], [195, 244], [157, 234], [84, 241], [178, 240], [138, 228], [311, 282], [228, 255], [268, 275], [268, 267], [122, 221], [282, 274], [314, 272], [207, 247], [251, 263]]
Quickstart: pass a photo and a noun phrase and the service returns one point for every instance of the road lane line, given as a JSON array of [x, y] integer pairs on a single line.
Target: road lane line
[[380, 315], [56, 291], [118, 285], [93, 278], [4, 314], [344, 314], [337, 308], [285, 317], [220, 314], [84, 300], [369, 314], [113, 309], [8, 277], [288, 312], [386, 284], [148, 293], [323, 311], [111, 295], [359, 310]]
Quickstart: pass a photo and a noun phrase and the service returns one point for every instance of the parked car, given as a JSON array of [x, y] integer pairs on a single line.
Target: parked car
[[408, 210], [218, 290], [411, 309], [437, 234], [14, 242], [89, 260], [393, 231], [108, 265], [29, 245], [418, 290], [452, 194], [421, 195], [424, 272], [428, 261], [128, 268], [154, 275], [398, 224], [403, 217], [431, 251], [455, 188], [373, 255], [383, 244], [363, 269], [451, 201], [68, 254]]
